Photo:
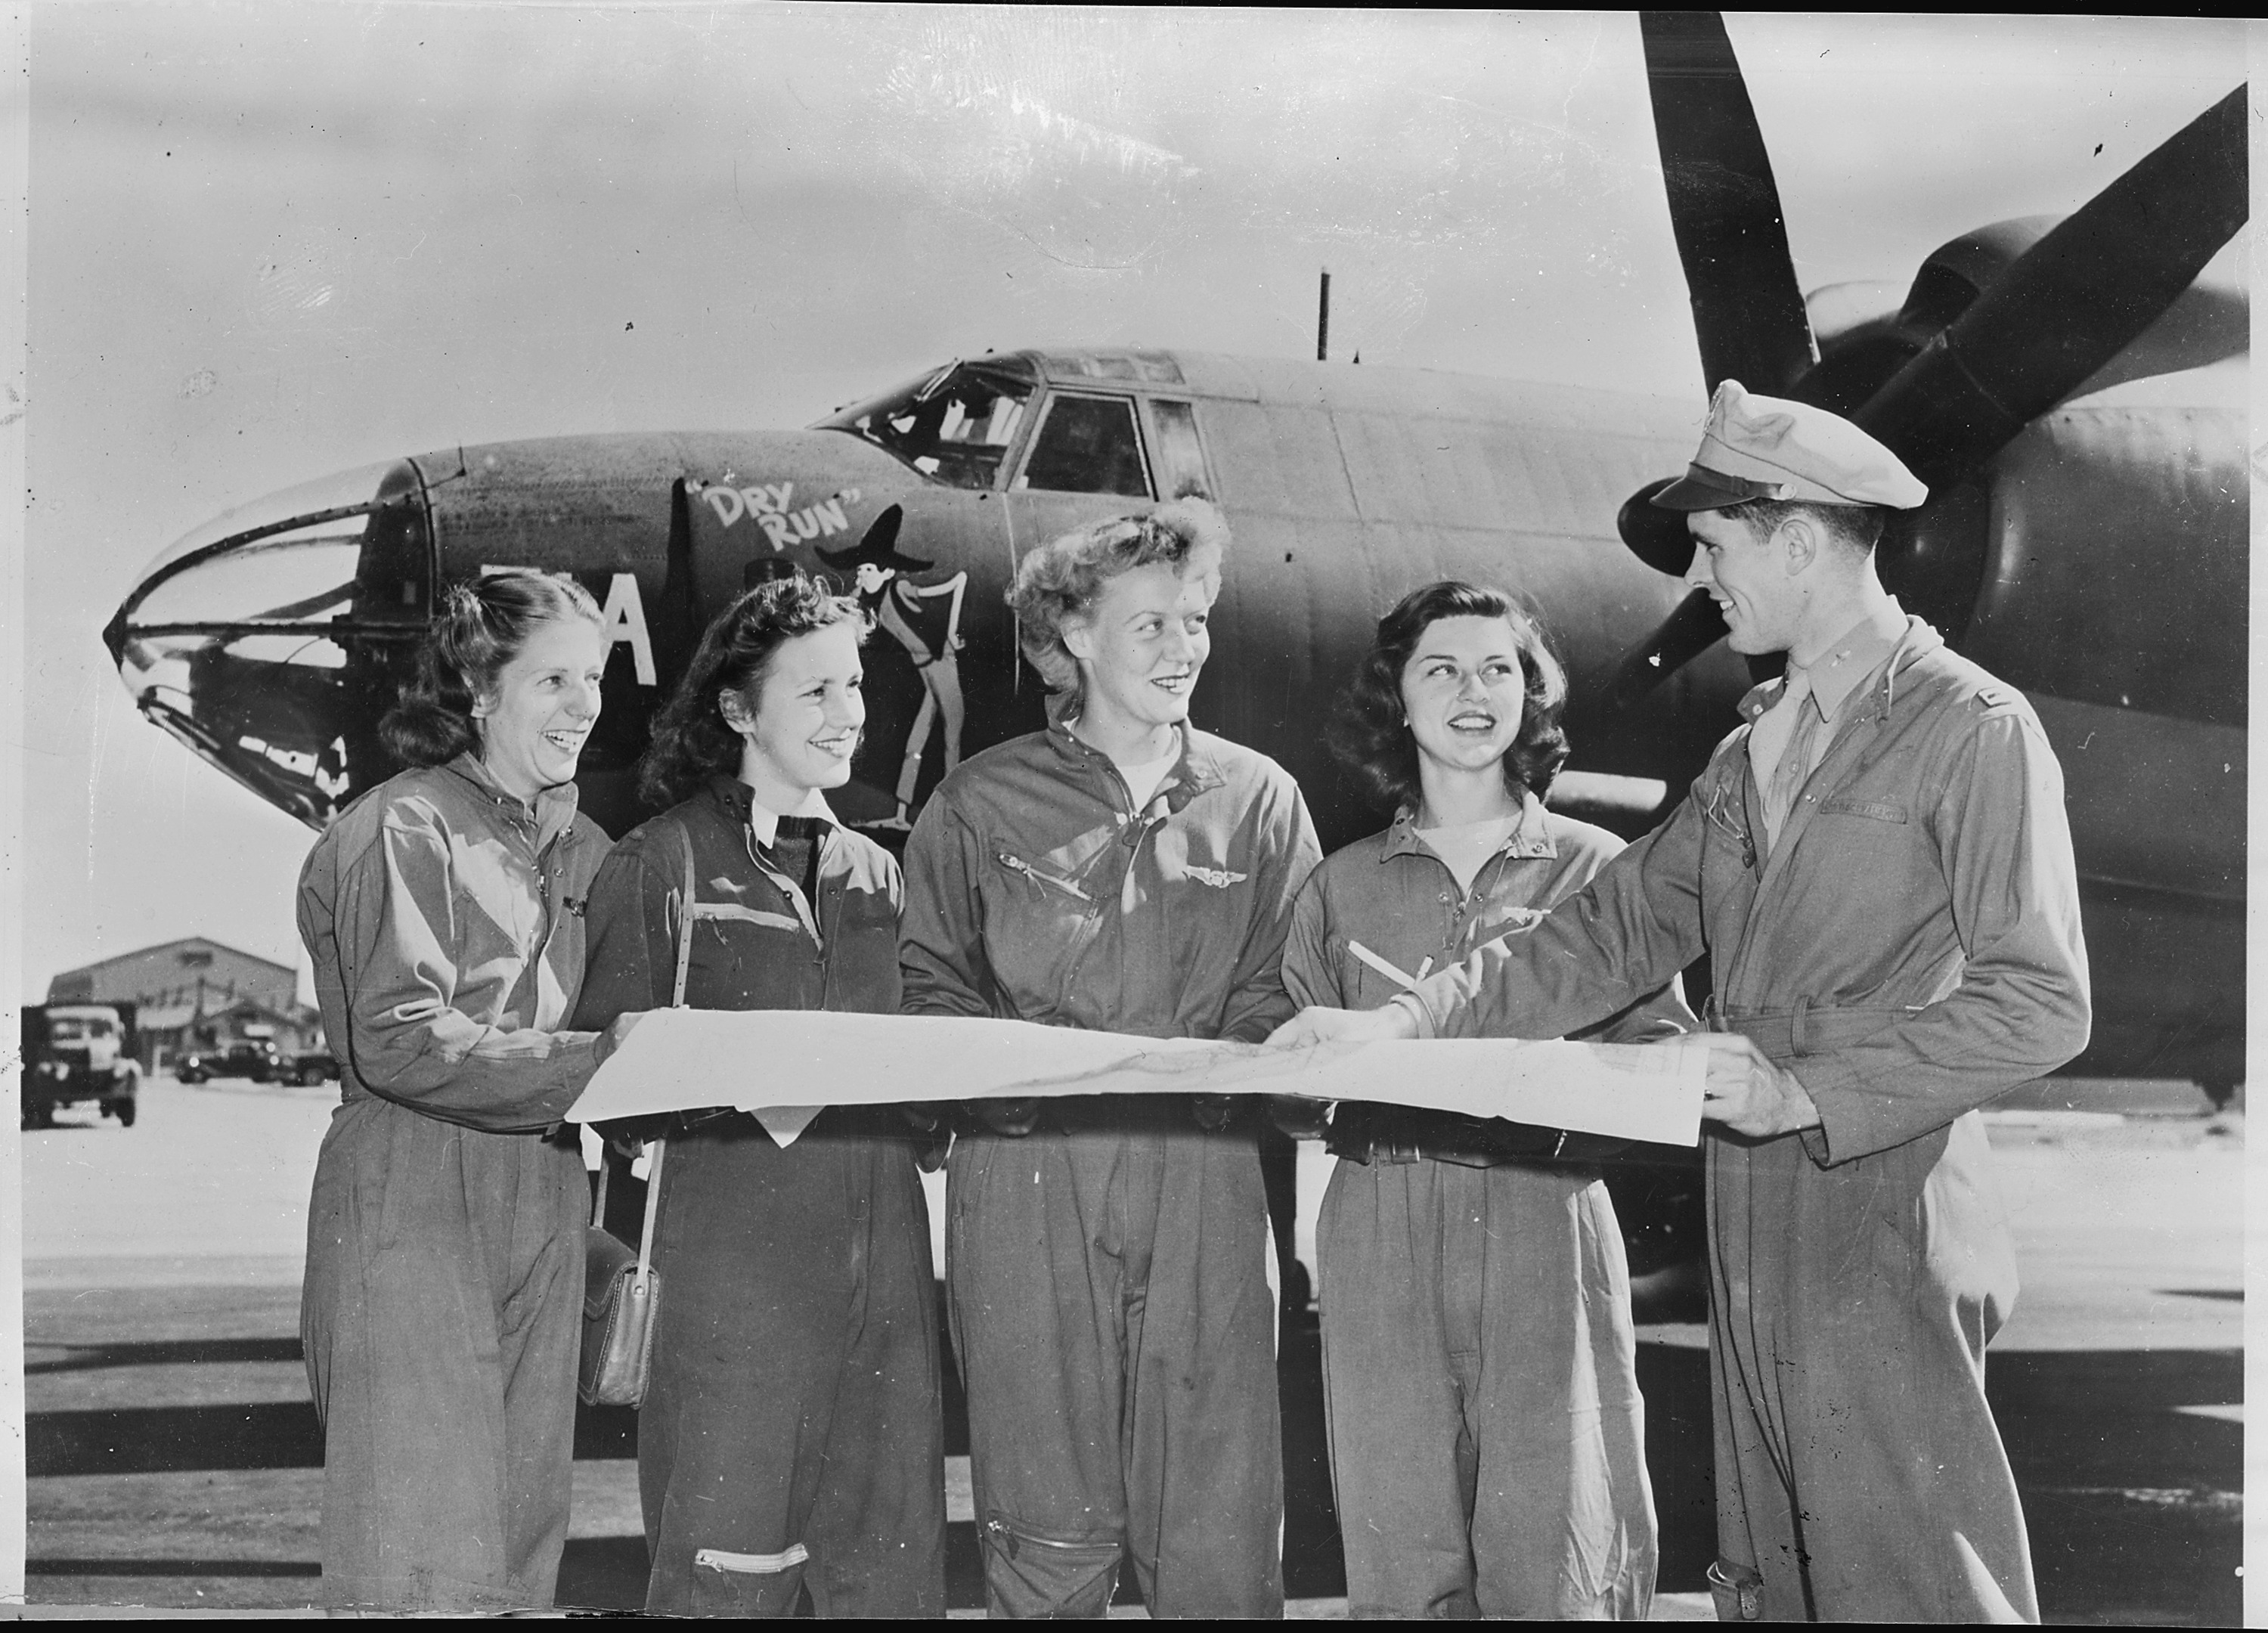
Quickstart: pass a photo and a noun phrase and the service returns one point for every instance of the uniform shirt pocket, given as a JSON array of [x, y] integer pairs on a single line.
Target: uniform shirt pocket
[[1880, 863], [1873, 810]]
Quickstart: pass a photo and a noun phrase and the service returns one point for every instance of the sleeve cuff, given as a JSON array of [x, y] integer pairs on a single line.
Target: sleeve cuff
[[1414, 1006], [1841, 1112]]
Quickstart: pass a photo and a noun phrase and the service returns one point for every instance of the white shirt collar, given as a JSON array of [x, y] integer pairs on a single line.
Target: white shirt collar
[[765, 822]]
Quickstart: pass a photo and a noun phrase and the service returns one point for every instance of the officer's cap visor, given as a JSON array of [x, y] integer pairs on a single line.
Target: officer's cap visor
[[1701, 488]]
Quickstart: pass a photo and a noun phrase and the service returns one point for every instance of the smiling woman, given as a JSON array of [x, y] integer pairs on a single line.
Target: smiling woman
[[790, 1436], [444, 1238], [507, 660], [1120, 872], [1475, 1299]]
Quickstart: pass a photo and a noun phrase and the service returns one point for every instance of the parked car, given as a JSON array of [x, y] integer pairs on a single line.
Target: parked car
[[239, 1057], [78, 1055], [310, 1067]]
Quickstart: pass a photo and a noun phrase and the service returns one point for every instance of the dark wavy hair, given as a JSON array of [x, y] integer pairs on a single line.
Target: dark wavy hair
[[479, 626], [1369, 733], [691, 742]]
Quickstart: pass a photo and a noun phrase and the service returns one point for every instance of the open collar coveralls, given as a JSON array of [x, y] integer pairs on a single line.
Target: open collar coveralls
[[1488, 1438], [1108, 1273], [1909, 947], [441, 1312], [792, 1434]]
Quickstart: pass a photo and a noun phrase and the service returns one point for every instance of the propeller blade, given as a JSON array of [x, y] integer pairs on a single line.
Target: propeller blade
[[1655, 536], [1690, 630], [2074, 301], [1724, 206]]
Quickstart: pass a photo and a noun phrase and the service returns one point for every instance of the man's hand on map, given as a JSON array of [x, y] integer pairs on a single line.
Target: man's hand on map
[[1389, 1025], [1749, 1094], [1011, 1118]]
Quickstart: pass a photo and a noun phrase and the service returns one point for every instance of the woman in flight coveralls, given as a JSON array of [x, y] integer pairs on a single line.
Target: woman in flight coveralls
[[1488, 1439], [791, 1437], [1107, 1257], [441, 1311]]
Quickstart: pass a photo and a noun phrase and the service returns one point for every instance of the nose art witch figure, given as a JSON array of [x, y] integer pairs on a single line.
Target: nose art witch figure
[[924, 618]]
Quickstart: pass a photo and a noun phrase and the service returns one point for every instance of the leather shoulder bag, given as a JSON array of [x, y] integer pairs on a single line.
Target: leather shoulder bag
[[622, 1291]]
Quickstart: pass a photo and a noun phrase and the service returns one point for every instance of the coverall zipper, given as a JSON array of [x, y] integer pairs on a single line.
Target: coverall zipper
[[1018, 864], [1009, 1540]]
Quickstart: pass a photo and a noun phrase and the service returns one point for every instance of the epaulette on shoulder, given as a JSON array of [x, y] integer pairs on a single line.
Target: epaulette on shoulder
[[661, 838], [1733, 743], [1956, 680]]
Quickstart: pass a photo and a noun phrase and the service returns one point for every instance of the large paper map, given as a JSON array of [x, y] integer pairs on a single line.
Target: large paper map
[[785, 1065]]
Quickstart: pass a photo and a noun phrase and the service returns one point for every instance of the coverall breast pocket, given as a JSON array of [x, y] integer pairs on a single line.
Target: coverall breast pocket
[[729, 948], [1036, 919]]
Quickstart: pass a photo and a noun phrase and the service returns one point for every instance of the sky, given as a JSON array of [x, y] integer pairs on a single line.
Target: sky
[[269, 241]]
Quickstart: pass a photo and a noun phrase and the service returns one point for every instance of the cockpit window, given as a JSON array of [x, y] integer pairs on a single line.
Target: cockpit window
[[952, 425], [1087, 445], [1179, 455]]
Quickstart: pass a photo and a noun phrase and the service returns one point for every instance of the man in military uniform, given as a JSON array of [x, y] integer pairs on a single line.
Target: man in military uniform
[[1878, 864]]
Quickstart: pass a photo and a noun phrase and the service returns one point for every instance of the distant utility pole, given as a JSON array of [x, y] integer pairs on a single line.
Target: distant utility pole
[[1323, 319]]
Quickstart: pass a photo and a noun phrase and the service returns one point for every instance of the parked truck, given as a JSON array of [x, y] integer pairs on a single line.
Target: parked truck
[[79, 1054]]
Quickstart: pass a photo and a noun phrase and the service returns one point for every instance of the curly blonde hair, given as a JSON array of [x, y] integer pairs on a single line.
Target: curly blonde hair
[[1057, 584]]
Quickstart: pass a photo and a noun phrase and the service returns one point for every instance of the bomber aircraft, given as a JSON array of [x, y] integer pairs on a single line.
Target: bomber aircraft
[[2073, 393]]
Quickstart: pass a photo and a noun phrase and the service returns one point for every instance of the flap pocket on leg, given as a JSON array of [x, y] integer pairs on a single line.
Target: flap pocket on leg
[[1031, 1573]]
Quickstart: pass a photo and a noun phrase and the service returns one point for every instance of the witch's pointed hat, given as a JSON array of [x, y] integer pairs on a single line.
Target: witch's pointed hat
[[877, 548]]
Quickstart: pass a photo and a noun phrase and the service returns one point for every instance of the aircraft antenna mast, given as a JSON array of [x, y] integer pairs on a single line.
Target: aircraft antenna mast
[[1323, 318]]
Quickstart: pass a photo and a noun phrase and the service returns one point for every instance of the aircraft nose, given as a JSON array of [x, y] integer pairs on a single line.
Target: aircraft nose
[[268, 640]]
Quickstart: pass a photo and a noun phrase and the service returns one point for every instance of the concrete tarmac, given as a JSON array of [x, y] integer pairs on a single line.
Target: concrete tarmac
[[175, 1460]]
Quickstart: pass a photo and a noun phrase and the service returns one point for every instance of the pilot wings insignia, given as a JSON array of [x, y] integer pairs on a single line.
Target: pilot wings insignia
[[1220, 879]]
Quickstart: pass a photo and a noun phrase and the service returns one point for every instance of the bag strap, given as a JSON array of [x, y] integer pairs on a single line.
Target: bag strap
[[684, 924], [657, 1147], [652, 1207], [676, 1001]]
